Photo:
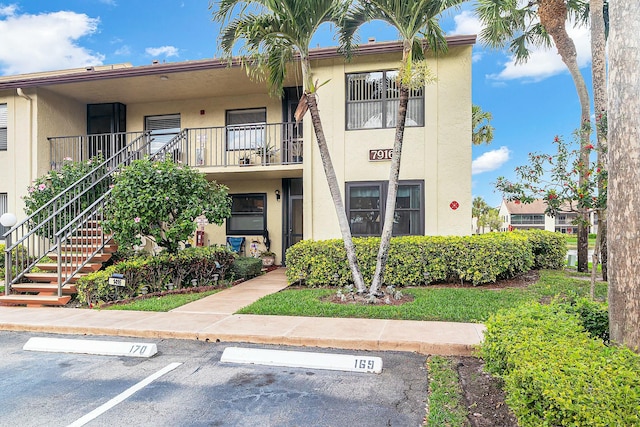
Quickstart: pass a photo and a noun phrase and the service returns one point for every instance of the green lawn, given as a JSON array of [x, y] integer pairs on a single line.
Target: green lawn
[[572, 242], [163, 303], [445, 304], [446, 404]]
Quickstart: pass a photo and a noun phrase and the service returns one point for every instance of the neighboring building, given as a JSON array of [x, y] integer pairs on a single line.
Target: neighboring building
[[524, 216], [223, 122]]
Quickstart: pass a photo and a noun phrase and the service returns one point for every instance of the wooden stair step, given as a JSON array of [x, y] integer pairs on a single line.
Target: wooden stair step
[[34, 300], [86, 239], [44, 288], [89, 248], [80, 257], [87, 268], [50, 277]]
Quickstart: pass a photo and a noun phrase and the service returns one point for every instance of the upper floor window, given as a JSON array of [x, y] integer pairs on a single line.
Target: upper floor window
[[373, 100], [522, 219], [3, 127], [246, 128]]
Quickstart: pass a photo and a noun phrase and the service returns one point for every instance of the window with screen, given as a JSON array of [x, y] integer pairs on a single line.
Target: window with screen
[[246, 129], [366, 202], [3, 127], [373, 99], [248, 214]]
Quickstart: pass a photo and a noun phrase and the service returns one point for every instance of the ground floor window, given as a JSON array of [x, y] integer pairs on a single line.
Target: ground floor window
[[248, 214], [366, 202]]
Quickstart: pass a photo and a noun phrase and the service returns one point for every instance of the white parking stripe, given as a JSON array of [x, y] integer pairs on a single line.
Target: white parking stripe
[[124, 395]]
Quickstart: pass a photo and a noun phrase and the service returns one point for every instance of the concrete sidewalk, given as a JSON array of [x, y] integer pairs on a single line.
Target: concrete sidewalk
[[212, 319]]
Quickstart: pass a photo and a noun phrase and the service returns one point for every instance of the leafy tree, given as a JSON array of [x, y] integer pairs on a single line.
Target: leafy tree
[[624, 164], [161, 200], [481, 125], [272, 32], [491, 218], [416, 22], [523, 24], [47, 187], [554, 178]]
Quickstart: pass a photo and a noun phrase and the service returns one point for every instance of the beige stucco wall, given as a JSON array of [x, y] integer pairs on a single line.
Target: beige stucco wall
[[214, 110], [217, 235], [15, 163], [438, 153], [30, 122]]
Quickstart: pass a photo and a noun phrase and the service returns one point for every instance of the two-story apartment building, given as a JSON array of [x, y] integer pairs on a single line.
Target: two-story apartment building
[[524, 216], [228, 127]]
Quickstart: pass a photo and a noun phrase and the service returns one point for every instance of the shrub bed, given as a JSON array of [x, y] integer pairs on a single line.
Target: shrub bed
[[154, 273], [556, 374], [246, 268], [420, 260]]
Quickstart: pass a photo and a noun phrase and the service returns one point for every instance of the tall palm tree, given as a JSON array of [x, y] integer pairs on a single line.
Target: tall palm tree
[[272, 32], [523, 24], [599, 77], [624, 175], [479, 207], [481, 126], [416, 22]]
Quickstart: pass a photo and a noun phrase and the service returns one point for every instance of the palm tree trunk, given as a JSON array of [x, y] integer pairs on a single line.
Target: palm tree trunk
[[392, 192], [599, 77], [334, 188], [553, 17], [624, 173]]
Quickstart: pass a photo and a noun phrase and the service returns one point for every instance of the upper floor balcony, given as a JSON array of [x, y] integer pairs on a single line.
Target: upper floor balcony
[[208, 148]]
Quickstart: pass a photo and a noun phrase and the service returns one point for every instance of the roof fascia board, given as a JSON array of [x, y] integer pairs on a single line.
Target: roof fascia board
[[207, 64]]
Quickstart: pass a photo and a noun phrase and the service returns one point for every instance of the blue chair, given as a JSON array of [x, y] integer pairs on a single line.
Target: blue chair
[[236, 244]]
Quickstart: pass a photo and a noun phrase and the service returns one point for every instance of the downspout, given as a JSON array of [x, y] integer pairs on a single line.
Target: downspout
[[25, 96]]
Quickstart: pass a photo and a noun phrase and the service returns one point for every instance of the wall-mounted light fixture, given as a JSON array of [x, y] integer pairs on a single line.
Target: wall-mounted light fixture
[[164, 78], [277, 194]]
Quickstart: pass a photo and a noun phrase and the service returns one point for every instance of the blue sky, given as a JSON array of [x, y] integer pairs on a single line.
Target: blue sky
[[530, 103]]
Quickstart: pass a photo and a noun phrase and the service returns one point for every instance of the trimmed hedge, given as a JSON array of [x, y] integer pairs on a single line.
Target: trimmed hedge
[[199, 263], [555, 374], [420, 260], [246, 268]]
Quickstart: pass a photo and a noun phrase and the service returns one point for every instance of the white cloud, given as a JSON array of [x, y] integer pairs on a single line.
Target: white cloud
[[162, 50], [490, 161], [544, 63], [43, 42], [466, 23], [123, 50]]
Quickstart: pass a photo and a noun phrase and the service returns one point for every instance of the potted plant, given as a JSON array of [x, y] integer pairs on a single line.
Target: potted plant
[[266, 153], [268, 258]]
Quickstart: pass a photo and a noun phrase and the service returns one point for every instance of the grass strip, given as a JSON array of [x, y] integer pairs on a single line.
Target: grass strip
[[446, 407], [161, 303], [442, 304]]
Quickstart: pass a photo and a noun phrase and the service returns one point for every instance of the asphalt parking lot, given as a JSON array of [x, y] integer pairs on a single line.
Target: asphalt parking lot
[[59, 389]]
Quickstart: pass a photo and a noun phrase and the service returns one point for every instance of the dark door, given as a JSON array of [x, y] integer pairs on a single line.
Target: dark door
[[292, 131], [293, 212], [105, 125]]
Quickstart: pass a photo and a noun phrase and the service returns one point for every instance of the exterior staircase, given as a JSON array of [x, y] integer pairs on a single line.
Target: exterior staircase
[[76, 254], [47, 252]]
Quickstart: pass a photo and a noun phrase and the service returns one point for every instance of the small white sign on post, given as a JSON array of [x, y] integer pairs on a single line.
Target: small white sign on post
[[117, 280]]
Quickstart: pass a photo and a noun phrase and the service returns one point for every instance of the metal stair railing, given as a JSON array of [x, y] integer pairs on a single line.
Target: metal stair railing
[[38, 235]]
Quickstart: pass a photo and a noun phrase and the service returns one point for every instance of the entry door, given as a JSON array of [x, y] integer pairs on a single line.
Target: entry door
[[293, 212]]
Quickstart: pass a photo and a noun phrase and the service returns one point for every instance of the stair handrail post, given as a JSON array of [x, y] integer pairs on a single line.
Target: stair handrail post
[[7, 264], [59, 258]]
